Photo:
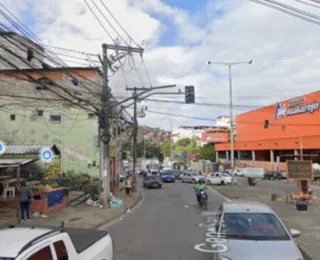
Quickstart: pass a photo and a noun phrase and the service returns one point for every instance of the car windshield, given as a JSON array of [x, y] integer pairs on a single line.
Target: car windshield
[[195, 174], [225, 174], [167, 173], [152, 177], [253, 226]]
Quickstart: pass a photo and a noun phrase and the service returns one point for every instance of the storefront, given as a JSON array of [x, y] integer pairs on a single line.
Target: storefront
[[283, 128]]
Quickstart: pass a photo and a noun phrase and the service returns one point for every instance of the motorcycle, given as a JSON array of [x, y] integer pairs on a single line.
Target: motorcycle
[[203, 200], [252, 181]]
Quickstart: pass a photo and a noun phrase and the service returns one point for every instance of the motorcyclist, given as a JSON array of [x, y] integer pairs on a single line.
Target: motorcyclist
[[200, 186]]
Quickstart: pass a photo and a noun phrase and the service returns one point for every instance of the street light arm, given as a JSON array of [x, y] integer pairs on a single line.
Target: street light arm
[[160, 93], [229, 63], [300, 139]]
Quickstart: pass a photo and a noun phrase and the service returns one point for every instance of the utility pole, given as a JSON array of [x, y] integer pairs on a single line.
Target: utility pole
[[104, 129], [136, 98]]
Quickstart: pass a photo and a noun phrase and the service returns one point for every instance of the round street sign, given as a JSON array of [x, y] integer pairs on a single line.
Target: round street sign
[[46, 155], [2, 147]]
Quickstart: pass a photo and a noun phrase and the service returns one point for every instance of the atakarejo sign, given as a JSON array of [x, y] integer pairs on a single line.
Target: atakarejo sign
[[282, 111]]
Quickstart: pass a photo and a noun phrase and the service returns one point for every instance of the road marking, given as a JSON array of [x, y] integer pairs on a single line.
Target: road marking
[[186, 206]]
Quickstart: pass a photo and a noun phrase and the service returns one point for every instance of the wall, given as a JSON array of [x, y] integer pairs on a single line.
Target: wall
[[250, 126], [76, 134]]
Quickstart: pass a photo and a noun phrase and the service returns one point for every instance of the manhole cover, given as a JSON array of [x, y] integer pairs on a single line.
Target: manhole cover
[[74, 219]]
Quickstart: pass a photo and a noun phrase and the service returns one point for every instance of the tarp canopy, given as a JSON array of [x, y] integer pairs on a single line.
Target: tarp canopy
[[11, 163]]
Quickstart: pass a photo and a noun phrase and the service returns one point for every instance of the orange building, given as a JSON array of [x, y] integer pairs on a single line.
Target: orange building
[[293, 124]]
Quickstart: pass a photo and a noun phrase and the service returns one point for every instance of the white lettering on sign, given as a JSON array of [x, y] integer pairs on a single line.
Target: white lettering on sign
[[302, 109]]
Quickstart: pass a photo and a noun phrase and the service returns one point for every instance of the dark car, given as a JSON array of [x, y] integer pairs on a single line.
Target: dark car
[[168, 177], [271, 175], [152, 181]]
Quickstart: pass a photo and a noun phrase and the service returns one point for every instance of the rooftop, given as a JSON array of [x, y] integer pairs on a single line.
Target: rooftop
[[16, 239], [245, 206], [20, 36]]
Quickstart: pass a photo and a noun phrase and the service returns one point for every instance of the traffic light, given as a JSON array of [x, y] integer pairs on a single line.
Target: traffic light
[[189, 94], [161, 157], [266, 124], [124, 156]]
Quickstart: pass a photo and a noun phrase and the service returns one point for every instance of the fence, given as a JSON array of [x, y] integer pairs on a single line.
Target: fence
[[267, 166], [208, 167]]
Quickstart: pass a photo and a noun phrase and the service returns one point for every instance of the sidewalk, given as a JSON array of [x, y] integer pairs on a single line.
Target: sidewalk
[[81, 216], [308, 222]]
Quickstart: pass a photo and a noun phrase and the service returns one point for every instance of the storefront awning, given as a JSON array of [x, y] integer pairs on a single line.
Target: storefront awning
[[11, 163]]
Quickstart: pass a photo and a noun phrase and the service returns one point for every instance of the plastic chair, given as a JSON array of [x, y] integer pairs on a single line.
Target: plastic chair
[[10, 190]]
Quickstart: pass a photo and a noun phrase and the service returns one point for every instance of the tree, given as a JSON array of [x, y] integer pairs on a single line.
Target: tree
[[207, 152], [166, 149]]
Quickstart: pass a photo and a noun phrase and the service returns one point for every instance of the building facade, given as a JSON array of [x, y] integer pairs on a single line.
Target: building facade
[[265, 134], [182, 132]]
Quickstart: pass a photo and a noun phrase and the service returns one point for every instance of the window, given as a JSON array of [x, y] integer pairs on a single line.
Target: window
[[43, 254], [217, 175], [91, 116], [94, 163], [61, 250], [255, 226], [40, 113], [55, 118], [12, 117], [89, 166]]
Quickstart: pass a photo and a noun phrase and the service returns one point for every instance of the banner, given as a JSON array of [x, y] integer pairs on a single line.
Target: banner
[[54, 198]]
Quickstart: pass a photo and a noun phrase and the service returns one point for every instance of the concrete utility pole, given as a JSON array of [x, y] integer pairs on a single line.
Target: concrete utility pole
[[104, 129], [136, 98]]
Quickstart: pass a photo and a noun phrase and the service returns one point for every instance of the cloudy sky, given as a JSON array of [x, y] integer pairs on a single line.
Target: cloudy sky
[[178, 37]]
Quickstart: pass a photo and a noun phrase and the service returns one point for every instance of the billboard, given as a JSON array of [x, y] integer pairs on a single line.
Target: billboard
[[215, 137], [299, 170]]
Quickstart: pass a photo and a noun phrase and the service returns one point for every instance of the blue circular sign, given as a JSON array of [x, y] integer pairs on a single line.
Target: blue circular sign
[[2, 147], [47, 155]]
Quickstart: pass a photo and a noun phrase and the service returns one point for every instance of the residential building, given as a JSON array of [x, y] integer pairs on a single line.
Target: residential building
[[182, 132], [55, 106]]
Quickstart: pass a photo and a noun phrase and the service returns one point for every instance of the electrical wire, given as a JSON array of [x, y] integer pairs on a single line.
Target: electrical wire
[[110, 13], [65, 49], [306, 3]]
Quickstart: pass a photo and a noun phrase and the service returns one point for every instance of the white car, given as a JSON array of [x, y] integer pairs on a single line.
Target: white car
[[255, 227], [220, 178], [238, 173], [26, 242]]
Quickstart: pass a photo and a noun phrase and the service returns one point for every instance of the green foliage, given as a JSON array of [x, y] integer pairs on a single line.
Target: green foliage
[[166, 149], [207, 152], [151, 151]]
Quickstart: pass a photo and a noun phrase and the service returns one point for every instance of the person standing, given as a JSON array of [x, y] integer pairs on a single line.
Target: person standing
[[25, 200], [128, 186]]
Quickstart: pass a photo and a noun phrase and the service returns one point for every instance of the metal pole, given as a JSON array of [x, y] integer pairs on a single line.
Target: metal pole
[[106, 136], [171, 144], [145, 148], [231, 125], [100, 165], [61, 137], [135, 133], [301, 147]]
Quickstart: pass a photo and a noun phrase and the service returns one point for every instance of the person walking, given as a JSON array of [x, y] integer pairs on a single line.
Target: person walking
[[25, 200], [128, 186]]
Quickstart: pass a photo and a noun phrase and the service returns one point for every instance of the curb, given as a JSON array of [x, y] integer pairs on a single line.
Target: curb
[[223, 194], [122, 212]]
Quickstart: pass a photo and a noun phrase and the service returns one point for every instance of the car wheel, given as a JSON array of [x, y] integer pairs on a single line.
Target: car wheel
[[222, 183], [208, 182], [182, 180], [271, 178], [160, 186], [194, 181]]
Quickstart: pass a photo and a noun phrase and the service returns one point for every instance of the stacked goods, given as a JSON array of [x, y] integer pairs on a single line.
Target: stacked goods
[[53, 171]]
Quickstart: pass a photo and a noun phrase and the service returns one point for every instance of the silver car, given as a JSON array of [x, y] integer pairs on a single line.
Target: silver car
[[251, 230], [192, 177]]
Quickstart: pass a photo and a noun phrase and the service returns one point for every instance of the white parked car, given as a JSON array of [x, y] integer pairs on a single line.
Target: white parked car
[[220, 178], [56, 243], [238, 173]]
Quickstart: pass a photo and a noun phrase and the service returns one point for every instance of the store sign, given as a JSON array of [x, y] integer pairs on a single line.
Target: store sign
[[214, 137], [296, 107]]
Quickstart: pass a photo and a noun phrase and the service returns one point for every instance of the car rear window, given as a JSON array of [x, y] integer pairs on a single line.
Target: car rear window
[[152, 177], [253, 226]]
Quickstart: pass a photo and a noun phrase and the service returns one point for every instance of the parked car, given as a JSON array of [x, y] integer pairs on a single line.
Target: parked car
[[176, 174], [28, 242], [220, 178], [282, 175], [152, 181], [238, 173], [255, 227], [168, 177], [271, 175], [192, 177]]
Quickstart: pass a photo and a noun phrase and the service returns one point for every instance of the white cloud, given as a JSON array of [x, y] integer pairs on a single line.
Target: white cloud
[[285, 48]]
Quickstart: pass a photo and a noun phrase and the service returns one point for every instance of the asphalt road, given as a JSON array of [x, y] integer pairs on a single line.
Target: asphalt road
[[164, 226]]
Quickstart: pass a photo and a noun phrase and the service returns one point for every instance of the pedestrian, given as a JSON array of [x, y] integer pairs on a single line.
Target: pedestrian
[[25, 200], [200, 173], [128, 185]]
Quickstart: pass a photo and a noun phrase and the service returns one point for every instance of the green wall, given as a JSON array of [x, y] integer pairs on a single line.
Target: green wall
[[78, 131]]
